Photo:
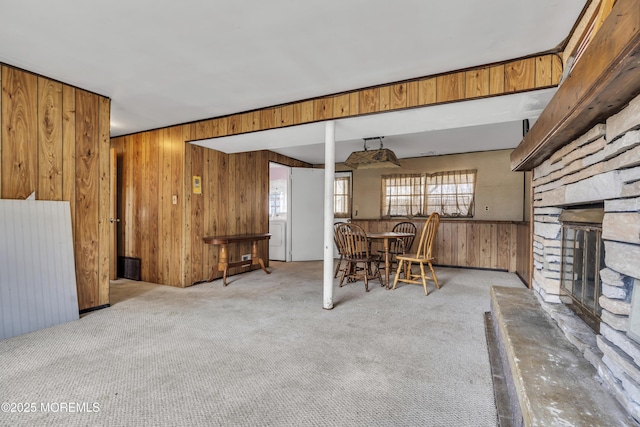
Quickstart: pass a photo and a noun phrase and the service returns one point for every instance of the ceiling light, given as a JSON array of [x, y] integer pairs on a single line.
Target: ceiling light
[[373, 159]]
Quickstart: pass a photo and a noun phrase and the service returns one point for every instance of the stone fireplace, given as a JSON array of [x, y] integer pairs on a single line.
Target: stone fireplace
[[601, 168], [582, 259]]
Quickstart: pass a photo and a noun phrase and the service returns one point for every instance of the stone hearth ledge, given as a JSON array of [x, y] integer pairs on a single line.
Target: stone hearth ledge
[[554, 383]]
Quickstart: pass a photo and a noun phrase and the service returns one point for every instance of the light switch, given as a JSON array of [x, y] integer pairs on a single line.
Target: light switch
[[175, 199]]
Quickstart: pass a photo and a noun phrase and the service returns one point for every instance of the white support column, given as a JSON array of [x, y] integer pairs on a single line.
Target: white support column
[[329, 172]]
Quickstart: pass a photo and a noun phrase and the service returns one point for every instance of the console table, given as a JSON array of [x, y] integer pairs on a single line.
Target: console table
[[223, 255]]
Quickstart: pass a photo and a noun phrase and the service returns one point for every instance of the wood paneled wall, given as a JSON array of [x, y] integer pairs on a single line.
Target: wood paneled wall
[[521, 75], [463, 243], [523, 257], [55, 142], [234, 200], [151, 202], [156, 166]]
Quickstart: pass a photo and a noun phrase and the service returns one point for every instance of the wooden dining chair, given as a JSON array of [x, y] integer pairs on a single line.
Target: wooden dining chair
[[339, 265], [422, 257], [360, 262]]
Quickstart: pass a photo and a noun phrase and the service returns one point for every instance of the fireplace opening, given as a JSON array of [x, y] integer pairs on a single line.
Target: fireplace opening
[[582, 259]]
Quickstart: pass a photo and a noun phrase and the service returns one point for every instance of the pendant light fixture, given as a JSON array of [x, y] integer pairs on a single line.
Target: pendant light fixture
[[373, 159]]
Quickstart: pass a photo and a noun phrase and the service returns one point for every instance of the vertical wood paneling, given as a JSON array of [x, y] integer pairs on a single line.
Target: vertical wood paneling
[[145, 196], [462, 246], [480, 244], [166, 244], [354, 103], [306, 112], [523, 252], [454, 244], [234, 200], [225, 197], [297, 113], [543, 71], [251, 121], [69, 148], [427, 91], [398, 96], [385, 98], [503, 245], [477, 83], [412, 94], [87, 198], [520, 75], [234, 124], [154, 204], [484, 244], [341, 105], [268, 119], [556, 69], [473, 244], [370, 101], [286, 115], [53, 136], [177, 211], [323, 108], [450, 87], [496, 79], [49, 140], [219, 127], [186, 274], [19, 134], [204, 129], [197, 212], [138, 186], [104, 172]]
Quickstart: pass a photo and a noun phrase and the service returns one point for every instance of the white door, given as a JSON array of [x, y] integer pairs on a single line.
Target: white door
[[307, 214], [277, 247]]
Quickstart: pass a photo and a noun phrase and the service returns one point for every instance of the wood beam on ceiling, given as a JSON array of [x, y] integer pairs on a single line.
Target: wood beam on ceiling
[[605, 79], [519, 75]]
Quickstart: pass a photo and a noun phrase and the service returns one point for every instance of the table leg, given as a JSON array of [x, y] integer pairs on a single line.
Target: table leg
[[254, 257], [223, 262], [222, 252], [386, 262]]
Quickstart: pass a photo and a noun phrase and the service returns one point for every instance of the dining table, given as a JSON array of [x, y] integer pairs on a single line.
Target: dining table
[[386, 237]]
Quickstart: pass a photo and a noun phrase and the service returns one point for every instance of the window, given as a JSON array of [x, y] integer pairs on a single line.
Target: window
[[342, 195], [451, 194], [403, 195]]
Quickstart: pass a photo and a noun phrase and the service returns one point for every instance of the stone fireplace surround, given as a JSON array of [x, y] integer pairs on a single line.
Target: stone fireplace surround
[[602, 165]]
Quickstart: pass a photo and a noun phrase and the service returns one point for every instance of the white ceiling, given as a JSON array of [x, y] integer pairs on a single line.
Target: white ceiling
[[165, 62]]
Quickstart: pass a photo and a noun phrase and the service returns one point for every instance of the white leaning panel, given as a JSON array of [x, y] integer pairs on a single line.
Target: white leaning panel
[[37, 269]]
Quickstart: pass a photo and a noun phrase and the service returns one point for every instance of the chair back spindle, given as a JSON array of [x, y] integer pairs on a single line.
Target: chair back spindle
[[428, 236]]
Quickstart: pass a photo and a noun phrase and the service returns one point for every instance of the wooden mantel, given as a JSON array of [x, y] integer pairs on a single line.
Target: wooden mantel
[[603, 81]]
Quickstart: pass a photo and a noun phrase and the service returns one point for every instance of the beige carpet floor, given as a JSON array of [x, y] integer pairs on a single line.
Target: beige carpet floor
[[262, 352]]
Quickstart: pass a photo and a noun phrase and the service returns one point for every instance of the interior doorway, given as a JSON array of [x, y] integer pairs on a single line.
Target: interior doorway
[[113, 214], [279, 178], [296, 209]]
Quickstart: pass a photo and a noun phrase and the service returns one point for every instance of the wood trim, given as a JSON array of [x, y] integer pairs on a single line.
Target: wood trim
[[601, 84], [518, 75]]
